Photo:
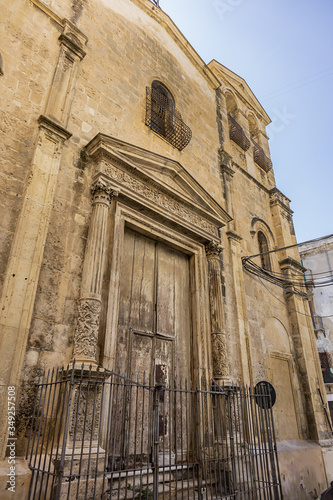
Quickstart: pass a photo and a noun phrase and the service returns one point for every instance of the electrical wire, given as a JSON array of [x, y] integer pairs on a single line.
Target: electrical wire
[[290, 308], [295, 88], [292, 283], [295, 83]]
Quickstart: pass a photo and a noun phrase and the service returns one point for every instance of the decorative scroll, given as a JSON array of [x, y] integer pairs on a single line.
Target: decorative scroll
[[219, 352], [86, 335]]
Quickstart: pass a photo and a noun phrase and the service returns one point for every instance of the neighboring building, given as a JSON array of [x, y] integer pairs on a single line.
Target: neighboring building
[[317, 257], [134, 178]]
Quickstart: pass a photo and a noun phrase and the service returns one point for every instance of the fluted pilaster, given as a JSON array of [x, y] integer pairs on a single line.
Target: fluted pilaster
[[89, 307]]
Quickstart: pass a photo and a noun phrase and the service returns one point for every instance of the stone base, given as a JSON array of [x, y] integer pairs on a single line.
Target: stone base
[[302, 469]]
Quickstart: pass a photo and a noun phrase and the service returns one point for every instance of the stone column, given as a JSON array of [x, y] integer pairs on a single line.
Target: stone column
[[219, 344], [89, 306]]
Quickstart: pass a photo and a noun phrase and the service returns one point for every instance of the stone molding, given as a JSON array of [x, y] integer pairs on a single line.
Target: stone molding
[[278, 198], [233, 236], [53, 128], [292, 264], [158, 185]]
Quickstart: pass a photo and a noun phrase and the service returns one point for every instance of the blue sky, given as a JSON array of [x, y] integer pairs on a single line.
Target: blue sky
[[283, 49]]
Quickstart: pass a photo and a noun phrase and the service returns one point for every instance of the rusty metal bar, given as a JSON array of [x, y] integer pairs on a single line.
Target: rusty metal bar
[[260, 157], [165, 120], [237, 134], [101, 435]]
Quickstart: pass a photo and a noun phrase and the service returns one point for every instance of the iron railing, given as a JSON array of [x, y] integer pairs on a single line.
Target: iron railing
[[237, 134], [98, 435], [260, 157], [156, 2], [165, 120]]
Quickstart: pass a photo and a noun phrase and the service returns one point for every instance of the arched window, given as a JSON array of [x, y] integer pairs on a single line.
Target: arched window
[[163, 117], [236, 133], [231, 104], [263, 248], [162, 109]]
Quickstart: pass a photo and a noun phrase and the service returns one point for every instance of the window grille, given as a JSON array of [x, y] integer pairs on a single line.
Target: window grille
[[165, 119], [237, 134], [260, 157], [263, 248]]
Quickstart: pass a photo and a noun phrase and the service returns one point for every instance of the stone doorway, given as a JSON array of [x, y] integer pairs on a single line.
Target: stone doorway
[[154, 320]]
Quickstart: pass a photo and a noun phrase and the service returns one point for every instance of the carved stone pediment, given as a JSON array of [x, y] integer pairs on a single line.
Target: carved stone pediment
[[157, 184]]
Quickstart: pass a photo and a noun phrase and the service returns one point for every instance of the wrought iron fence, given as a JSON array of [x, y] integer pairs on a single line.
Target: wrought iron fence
[[98, 435]]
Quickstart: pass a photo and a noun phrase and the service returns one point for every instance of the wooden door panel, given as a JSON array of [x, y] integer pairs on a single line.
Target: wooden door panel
[[142, 282], [154, 324], [165, 296]]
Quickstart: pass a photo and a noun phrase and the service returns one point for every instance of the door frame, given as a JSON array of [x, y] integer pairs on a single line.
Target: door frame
[[125, 216]]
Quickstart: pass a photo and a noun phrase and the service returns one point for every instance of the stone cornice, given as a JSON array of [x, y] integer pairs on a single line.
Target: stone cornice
[[291, 263], [54, 128], [232, 235], [278, 198], [72, 46], [157, 184], [240, 86]]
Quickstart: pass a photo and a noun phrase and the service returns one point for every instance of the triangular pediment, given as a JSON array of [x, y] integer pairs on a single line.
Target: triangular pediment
[[166, 175], [241, 88]]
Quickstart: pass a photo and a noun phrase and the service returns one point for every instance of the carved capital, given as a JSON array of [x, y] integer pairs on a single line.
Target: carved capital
[[213, 250], [87, 328], [219, 352], [102, 192]]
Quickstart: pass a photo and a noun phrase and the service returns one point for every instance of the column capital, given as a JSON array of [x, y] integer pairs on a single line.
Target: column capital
[[103, 192], [213, 249]]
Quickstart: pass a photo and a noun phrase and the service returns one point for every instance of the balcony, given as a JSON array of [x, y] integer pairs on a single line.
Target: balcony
[[260, 157], [165, 120], [237, 134]]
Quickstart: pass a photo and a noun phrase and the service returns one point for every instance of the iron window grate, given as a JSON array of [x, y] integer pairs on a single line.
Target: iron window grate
[[165, 120], [237, 134], [260, 157]]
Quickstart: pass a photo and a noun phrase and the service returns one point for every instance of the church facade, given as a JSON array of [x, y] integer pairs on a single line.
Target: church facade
[[134, 179]]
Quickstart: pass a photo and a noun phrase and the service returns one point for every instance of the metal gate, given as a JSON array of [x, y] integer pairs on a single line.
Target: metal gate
[[99, 435]]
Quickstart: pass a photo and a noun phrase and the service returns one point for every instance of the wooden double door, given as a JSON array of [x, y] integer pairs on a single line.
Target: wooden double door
[[154, 323]]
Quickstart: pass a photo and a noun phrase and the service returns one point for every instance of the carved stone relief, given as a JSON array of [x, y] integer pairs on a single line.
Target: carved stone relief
[[163, 200], [219, 352], [87, 327]]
